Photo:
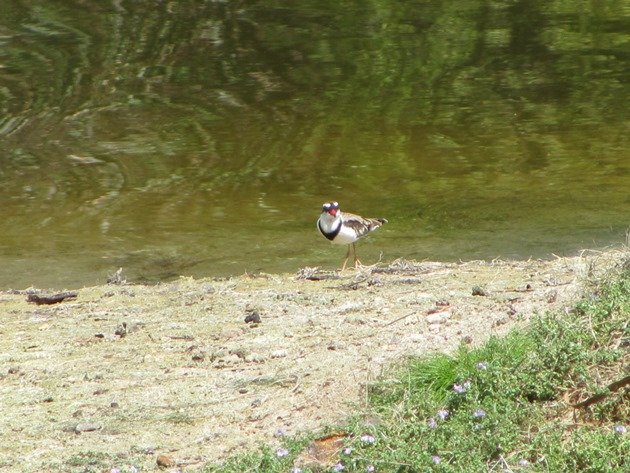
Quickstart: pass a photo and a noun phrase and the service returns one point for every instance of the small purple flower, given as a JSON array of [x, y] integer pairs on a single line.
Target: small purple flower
[[296, 469], [479, 413], [347, 450], [442, 414], [282, 452], [431, 423], [115, 470], [523, 463], [368, 439], [339, 467], [370, 469], [620, 429], [482, 365], [436, 459], [461, 388]]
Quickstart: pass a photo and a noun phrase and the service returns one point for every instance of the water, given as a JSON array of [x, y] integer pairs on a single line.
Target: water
[[201, 138]]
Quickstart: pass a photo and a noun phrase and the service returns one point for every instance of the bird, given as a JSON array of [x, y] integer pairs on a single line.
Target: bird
[[344, 228]]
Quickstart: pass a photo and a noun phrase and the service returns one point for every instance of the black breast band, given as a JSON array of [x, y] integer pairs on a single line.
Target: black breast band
[[331, 236]]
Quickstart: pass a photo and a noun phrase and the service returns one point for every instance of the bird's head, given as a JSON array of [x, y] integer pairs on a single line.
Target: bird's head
[[331, 208]]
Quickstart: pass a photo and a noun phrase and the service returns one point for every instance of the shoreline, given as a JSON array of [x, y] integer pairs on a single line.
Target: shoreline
[[174, 368]]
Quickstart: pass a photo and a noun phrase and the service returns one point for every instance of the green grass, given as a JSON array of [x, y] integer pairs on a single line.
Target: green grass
[[514, 413]]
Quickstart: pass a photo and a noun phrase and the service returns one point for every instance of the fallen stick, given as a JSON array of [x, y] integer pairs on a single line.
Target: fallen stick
[[612, 387], [54, 299], [398, 319]]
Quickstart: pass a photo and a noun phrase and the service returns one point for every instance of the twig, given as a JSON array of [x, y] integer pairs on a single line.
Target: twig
[[612, 387], [54, 299], [398, 319]]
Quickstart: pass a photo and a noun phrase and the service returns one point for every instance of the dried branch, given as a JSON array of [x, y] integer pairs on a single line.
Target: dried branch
[[612, 387]]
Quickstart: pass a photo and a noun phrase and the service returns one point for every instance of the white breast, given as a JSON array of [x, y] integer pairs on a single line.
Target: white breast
[[329, 224], [345, 236]]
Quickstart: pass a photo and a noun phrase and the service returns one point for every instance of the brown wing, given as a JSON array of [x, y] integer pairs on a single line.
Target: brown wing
[[362, 226]]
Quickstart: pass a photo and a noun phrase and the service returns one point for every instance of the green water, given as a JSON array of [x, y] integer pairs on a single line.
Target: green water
[[201, 138]]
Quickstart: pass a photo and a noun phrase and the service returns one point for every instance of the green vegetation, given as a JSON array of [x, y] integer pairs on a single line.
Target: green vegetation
[[505, 405]]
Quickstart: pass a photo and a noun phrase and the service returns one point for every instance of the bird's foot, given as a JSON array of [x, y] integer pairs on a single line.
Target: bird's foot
[[343, 266]]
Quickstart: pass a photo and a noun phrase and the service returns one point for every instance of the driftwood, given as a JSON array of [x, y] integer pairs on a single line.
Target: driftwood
[[612, 387], [54, 299]]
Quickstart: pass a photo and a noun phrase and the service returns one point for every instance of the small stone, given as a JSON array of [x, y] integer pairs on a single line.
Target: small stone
[[240, 352], [336, 345], [114, 404], [220, 353], [121, 330], [416, 338], [231, 359], [467, 339], [279, 353], [479, 291], [438, 317], [86, 427], [14, 370], [164, 461], [254, 358], [253, 316]]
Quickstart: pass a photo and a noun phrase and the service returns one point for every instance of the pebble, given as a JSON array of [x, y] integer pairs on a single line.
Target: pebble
[[165, 461], [438, 317], [280, 353], [479, 291], [254, 358], [198, 356], [240, 352], [86, 427], [253, 316], [231, 359], [416, 337], [336, 345]]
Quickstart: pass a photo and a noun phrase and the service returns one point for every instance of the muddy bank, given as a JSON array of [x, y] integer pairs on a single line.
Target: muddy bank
[[124, 373]]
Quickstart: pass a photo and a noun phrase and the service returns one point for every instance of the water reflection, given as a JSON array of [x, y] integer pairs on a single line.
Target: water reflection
[[202, 137]]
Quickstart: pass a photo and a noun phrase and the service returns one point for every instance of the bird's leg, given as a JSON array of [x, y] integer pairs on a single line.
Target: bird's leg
[[345, 261], [357, 263]]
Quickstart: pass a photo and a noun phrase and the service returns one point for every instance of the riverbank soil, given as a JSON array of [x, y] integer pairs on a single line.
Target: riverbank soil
[[124, 373]]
